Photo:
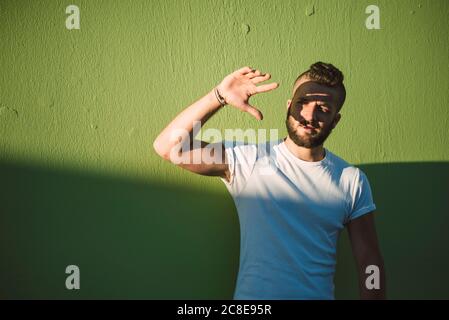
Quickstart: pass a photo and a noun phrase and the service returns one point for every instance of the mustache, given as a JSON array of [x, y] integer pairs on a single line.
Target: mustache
[[305, 123]]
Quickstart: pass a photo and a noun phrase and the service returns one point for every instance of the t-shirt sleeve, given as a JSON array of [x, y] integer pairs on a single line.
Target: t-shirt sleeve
[[241, 158], [361, 201]]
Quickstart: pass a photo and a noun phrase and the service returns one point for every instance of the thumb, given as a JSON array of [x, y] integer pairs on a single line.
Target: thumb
[[253, 111]]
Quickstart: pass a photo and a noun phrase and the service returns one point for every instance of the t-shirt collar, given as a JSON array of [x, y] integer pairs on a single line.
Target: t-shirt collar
[[301, 162]]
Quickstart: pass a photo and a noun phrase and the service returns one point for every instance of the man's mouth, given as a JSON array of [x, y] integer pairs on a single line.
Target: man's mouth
[[308, 128]]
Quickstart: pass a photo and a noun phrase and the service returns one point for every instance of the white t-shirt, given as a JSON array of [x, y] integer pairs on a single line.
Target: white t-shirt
[[291, 213]]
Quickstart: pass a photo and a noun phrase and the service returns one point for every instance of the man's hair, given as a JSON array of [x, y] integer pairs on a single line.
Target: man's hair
[[326, 74]]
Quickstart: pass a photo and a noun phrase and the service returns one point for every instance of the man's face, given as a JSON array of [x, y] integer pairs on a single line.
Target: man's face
[[312, 113]]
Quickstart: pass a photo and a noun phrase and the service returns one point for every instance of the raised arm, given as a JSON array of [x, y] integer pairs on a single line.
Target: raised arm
[[176, 142]]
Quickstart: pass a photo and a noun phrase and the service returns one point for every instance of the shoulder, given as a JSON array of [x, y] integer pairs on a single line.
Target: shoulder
[[240, 152], [239, 145], [349, 173], [268, 148], [252, 150], [337, 161]]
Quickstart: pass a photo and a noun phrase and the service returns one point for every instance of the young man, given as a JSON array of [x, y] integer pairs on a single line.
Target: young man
[[293, 196]]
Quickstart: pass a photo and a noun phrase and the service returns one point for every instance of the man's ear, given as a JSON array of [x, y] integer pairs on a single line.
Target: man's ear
[[289, 102], [336, 120]]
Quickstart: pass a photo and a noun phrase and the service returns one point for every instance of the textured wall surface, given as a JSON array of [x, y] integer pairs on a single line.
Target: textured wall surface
[[79, 110]]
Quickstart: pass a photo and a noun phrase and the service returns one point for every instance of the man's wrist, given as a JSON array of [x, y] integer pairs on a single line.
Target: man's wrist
[[212, 102], [219, 96]]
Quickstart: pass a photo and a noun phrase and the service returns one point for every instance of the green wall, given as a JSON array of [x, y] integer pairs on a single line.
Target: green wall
[[79, 110]]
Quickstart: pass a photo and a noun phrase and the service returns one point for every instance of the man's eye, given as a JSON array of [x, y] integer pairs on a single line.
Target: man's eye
[[323, 109]]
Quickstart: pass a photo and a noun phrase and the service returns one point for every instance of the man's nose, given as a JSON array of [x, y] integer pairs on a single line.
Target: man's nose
[[308, 112]]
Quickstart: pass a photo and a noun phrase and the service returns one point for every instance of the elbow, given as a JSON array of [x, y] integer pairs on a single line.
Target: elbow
[[160, 150]]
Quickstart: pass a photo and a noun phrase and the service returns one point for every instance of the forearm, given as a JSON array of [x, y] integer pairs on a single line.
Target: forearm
[[235, 90], [372, 284], [201, 111]]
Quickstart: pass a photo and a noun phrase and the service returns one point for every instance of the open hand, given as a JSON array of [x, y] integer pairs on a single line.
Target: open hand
[[239, 86]]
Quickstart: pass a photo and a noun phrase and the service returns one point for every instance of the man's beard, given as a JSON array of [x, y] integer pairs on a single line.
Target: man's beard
[[311, 141]]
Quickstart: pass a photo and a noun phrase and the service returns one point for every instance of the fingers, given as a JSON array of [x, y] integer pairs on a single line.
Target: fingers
[[253, 111], [254, 73], [244, 70], [267, 87], [261, 78], [249, 72]]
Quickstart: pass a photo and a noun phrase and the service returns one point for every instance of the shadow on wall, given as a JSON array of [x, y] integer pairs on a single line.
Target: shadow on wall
[[134, 239]]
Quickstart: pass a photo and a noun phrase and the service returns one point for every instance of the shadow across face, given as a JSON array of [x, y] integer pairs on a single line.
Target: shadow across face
[[312, 130], [314, 91]]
